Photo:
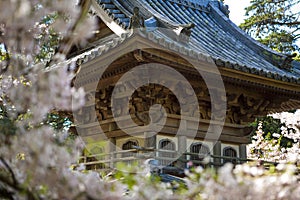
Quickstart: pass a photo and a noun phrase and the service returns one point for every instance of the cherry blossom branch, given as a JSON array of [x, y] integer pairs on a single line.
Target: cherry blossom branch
[[15, 182], [67, 42]]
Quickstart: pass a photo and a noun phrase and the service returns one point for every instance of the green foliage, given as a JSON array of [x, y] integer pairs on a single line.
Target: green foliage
[[58, 122], [7, 125], [2, 54], [126, 174], [275, 23], [61, 122], [271, 125], [297, 58], [281, 41], [49, 39]]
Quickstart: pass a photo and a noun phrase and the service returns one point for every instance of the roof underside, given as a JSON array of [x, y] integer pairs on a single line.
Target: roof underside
[[214, 34]]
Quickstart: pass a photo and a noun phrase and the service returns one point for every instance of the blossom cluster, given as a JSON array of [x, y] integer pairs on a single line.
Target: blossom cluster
[[39, 167], [36, 162], [33, 162], [270, 150], [36, 86], [292, 120]]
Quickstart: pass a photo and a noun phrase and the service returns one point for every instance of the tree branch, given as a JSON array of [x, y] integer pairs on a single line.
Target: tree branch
[[17, 187], [285, 23], [15, 182], [6, 194], [67, 42]]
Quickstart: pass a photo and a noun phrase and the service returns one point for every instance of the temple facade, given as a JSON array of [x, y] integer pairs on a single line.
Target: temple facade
[[137, 109]]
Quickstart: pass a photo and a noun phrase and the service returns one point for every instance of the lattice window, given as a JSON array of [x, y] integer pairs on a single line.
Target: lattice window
[[229, 152], [127, 146], [201, 149], [166, 144]]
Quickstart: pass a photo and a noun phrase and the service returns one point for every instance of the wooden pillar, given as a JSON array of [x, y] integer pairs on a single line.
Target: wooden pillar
[[150, 140], [182, 145], [217, 150], [112, 149], [243, 151]]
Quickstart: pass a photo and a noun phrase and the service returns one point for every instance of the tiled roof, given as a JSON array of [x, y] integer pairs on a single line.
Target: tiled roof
[[214, 34]]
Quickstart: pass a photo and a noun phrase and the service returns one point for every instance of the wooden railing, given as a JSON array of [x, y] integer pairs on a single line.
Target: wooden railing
[[109, 160]]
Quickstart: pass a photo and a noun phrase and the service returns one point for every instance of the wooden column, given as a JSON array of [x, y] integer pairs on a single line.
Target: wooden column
[[243, 151], [217, 151], [182, 145], [112, 149], [150, 140]]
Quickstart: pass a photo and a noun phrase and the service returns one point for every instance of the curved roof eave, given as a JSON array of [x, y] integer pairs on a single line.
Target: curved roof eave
[[214, 35], [229, 26]]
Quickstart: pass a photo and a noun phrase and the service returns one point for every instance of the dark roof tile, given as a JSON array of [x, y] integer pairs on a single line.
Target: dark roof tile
[[214, 34]]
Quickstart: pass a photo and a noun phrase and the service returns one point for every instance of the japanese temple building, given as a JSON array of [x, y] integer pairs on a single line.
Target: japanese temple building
[[176, 33]]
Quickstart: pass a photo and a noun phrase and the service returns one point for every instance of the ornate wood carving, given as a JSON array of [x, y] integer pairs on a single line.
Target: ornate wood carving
[[103, 103], [241, 108], [86, 115]]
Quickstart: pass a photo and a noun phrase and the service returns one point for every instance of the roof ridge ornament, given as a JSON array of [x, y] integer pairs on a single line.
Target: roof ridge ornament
[[136, 21], [224, 8], [287, 62], [184, 32], [221, 6]]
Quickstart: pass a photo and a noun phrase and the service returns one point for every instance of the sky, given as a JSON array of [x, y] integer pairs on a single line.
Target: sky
[[237, 11]]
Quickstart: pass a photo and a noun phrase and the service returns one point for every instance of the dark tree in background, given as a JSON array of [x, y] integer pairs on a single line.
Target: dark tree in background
[[275, 23]]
